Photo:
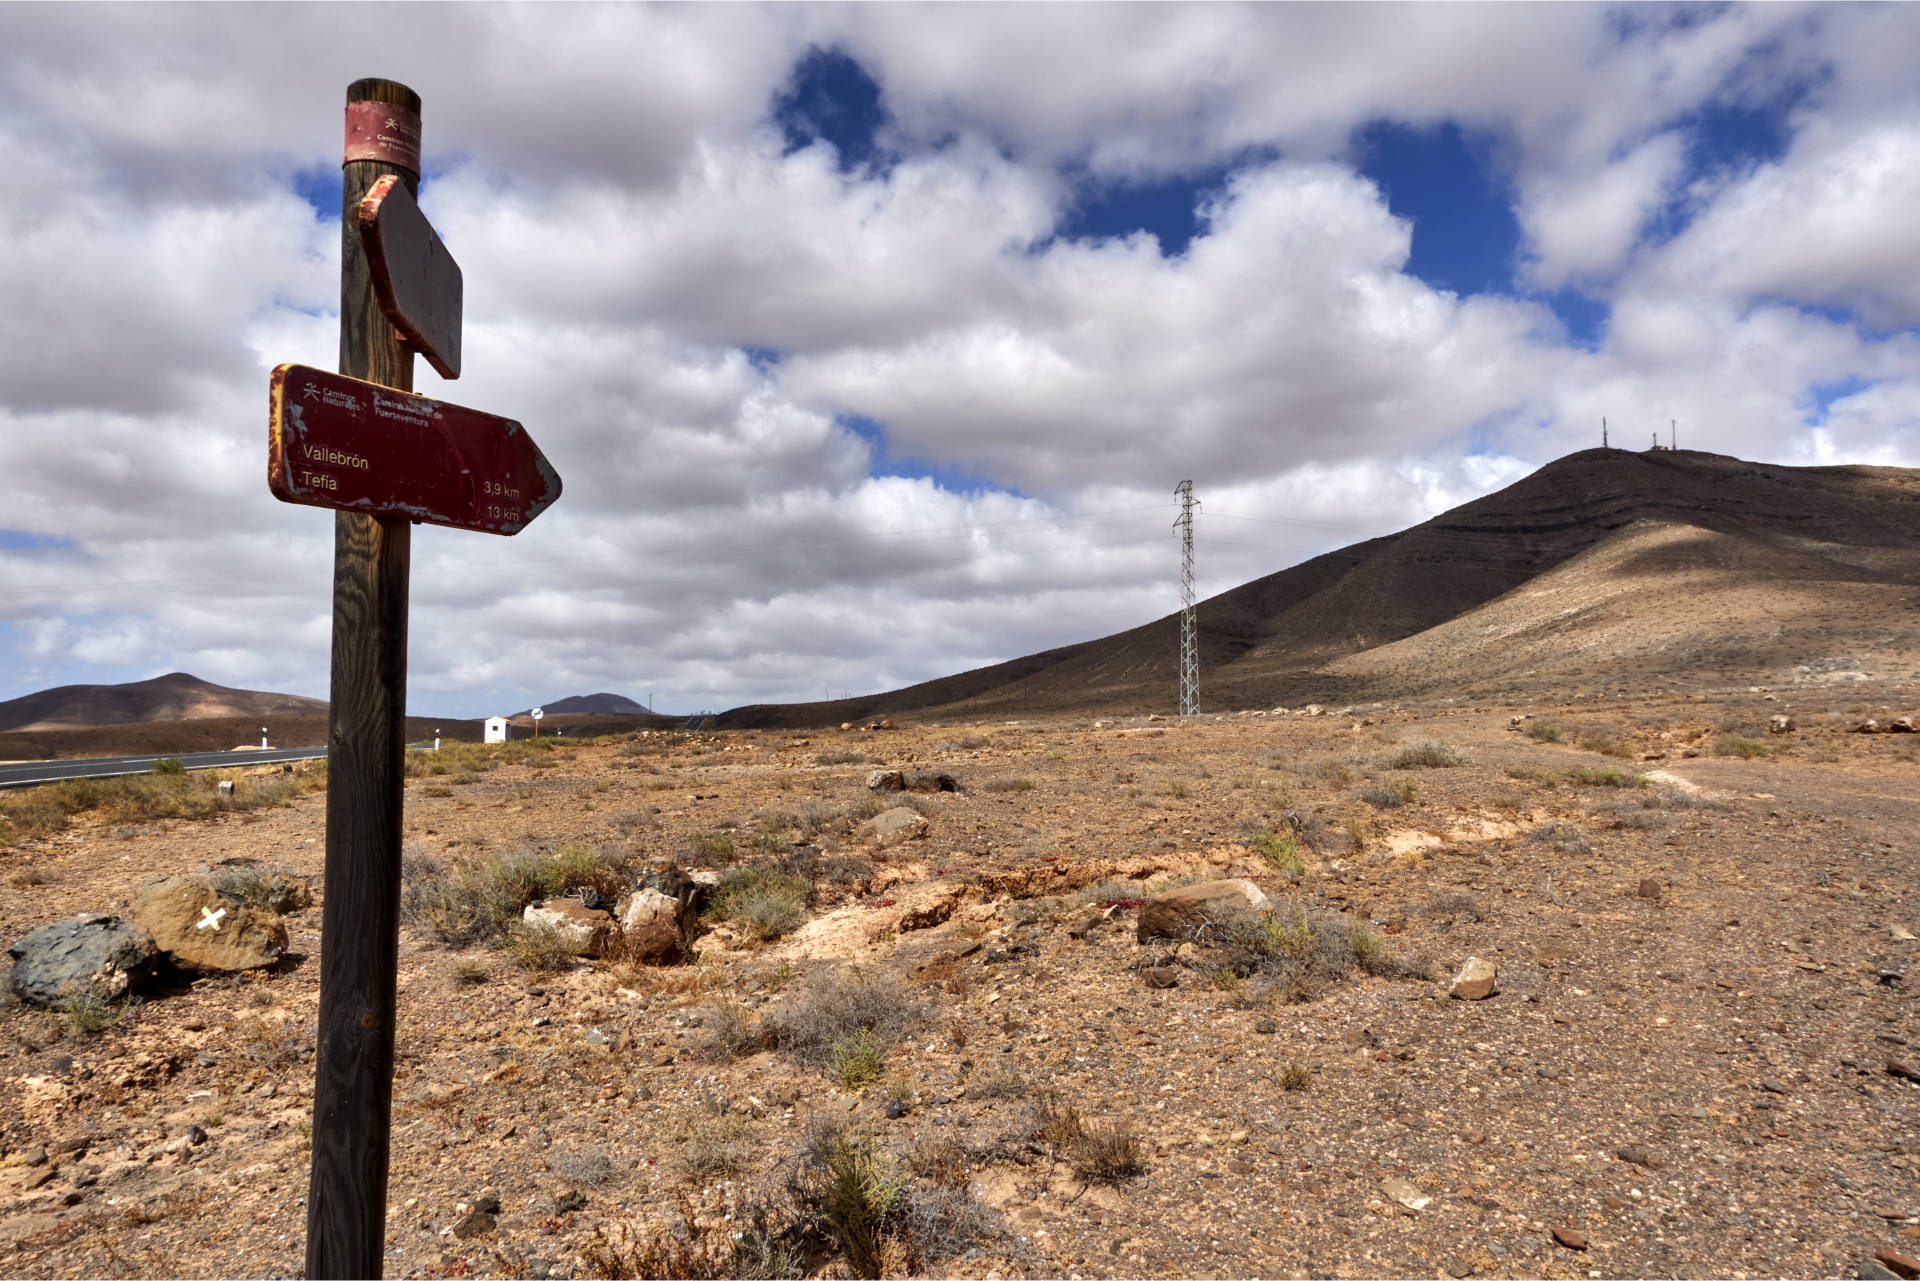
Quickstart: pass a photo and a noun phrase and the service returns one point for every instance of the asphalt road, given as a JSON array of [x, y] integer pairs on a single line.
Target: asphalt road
[[27, 773]]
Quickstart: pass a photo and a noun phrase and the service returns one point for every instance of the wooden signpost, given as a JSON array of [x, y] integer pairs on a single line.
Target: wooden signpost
[[360, 443], [415, 279], [339, 442]]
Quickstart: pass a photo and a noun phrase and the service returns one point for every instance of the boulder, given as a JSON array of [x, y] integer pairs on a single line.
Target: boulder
[[103, 956], [586, 928], [248, 880], [1780, 725], [1900, 725], [202, 929], [897, 824], [1184, 912], [651, 924], [1476, 981], [693, 886], [932, 783], [886, 780], [1868, 726]]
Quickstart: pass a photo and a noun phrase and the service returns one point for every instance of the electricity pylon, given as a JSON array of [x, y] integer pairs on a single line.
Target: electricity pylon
[[1189, 627]]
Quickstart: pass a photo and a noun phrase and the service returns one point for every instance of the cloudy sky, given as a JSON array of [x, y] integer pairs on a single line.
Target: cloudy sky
[[871, 341]]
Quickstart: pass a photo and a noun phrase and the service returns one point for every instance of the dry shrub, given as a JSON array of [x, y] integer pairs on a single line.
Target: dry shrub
[[711, 1143], [1424, 753], [1564, 838], [586, 1166], [36, 812], [892, 1213], [1096, 1153], [1294, 954], [730, 1031], [481, 900], [835, 1008], [767, 900], [997, 1083], [540, 950], [755, 1244], [1280, 849]]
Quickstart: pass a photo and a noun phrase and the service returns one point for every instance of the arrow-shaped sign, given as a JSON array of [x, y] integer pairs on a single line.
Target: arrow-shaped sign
[[334, 441], [415, 279]]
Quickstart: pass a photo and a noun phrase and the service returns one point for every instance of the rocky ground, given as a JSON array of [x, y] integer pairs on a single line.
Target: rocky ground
[[1701, 1058]]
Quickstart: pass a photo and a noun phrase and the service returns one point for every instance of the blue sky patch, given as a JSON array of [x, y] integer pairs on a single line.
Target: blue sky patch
[[831, 98], [1820, 396], [762, 359], [1443, 180], [881, 463], [26, 540], [1167, 207]]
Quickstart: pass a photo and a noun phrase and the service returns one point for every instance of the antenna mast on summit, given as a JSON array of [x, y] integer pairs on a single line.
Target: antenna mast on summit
[[1673, 433], [1603, 433], [1189, 629]]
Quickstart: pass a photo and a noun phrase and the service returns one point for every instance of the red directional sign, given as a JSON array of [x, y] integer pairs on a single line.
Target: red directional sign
[[334, 441], [415, 279]]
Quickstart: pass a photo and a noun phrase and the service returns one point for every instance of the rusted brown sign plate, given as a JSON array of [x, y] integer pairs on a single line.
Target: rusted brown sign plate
[[414, 277], [334, 441]]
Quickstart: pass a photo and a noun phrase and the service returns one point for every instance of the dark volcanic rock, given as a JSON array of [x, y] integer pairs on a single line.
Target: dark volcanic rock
[[99, 955]]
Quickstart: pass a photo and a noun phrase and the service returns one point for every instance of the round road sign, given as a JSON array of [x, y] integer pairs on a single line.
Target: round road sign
[[537, 713]]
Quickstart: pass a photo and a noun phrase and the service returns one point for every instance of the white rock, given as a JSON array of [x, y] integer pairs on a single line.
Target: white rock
[[650, 922], [586, 928]]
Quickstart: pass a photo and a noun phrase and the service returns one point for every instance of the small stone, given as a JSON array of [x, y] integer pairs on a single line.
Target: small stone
[[895, 1111], [886, 780], [1896, 1068], [36, 1158], [1476, 981], [898, 824], [1773, 1087], [1649, 889], [1613, 1203], [569, 1201], [475, 1224], [1458, 1269], [1901, 1265], [196, 1136], [1639, 1154], [1163, 976], [1406, 1194], [1572, 1238], [487, 1204], [1868, 1270], [38, 1178], [1266, 1027]]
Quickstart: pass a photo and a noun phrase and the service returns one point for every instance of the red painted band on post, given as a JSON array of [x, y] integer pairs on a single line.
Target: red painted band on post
[[381, 131]]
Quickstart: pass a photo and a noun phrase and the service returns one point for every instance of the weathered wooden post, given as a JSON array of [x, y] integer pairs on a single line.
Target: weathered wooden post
[[360, 919], [383, 459]]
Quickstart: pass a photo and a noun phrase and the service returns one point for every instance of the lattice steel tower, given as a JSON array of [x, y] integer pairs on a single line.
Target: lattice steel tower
[[1189, 627]]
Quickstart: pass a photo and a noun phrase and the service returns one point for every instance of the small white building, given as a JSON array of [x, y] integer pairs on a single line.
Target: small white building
[[496, 729]]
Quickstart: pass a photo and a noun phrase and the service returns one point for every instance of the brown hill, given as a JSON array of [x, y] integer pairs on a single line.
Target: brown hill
[[174, 697], [1603, 564], [592, 705]]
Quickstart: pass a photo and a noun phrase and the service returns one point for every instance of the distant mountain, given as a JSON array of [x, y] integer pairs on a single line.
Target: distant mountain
[[592, 705], [173, 697], [1604, 570]]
